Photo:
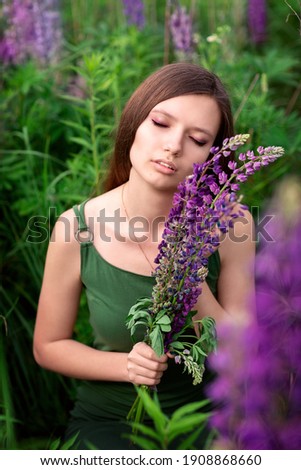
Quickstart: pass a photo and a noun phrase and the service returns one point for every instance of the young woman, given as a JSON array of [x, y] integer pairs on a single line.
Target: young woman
[[171, 121]]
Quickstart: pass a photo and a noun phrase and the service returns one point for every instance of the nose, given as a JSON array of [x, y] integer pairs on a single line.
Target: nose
[[174, 141], [171, 151], [173, 148]]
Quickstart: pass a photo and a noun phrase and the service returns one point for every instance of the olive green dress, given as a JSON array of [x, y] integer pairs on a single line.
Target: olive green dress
[[101, 407]]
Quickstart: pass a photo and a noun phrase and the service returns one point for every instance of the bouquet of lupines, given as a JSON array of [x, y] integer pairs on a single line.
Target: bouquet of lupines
[[203, 208]]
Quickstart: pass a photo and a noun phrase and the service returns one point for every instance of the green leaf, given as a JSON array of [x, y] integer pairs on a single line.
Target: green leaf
[[165, 328], [147, 430], [164, 320], [160, 314], [189, 441], [144, 443], [156, 339], [142, 304], [75, 125], [189, 408], [85, 143], [177, 345], [152, 408], [70, 443], [133, 318], [187, 424]]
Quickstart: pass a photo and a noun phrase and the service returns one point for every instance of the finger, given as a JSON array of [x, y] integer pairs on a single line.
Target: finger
[[146, 351], [135, 360], [143, 376]]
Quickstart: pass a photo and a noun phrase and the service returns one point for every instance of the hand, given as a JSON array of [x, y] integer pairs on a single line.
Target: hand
[[144, 366]]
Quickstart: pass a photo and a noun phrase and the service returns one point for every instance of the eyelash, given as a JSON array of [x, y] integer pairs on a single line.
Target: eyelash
[[159, 124], [199, 143]]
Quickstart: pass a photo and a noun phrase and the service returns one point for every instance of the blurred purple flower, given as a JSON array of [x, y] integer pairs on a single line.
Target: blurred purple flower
[[181, 30], [48, 32], [257, 20], [134, 12], [258, 386], [33, 30]]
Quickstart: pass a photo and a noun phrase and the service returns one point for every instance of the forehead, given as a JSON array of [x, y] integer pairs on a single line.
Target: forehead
[[193, 109]]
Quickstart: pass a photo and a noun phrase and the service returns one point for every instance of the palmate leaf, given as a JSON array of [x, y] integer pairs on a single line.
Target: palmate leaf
[[139, 311], [144, 303], [177, 345], [141, 315], [164, 320], [198, 353], [134, 328], [165, 328], [156, 339]]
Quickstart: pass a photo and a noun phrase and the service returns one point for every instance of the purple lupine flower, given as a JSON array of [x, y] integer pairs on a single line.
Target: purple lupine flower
[[134, 12], [258, 386], [257, 20], [190, 236], [15, 44], [181, 30], [33, 30], [48, 32]]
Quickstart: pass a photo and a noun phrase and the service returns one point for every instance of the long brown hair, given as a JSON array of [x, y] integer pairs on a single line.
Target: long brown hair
[[169, 81]]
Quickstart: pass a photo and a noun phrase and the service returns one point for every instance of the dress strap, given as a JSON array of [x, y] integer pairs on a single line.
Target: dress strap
[[81, 237]]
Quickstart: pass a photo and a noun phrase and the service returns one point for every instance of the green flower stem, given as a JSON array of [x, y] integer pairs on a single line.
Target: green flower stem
[[137, 411]]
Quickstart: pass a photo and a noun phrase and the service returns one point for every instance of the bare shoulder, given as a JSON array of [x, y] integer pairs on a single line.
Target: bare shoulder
[[109, 201], [65, 228], [67, 224]]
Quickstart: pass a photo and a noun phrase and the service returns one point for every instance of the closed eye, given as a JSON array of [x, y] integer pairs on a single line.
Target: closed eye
[[159, 124], [199, 143]]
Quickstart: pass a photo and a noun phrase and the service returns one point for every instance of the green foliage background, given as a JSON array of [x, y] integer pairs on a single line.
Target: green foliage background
[[54, 145]]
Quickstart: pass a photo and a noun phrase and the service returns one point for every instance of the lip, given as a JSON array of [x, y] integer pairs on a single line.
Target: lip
[[171, 166]]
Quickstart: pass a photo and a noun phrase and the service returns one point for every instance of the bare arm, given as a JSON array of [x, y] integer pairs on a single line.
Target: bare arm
[[236, 280], [54, 348]]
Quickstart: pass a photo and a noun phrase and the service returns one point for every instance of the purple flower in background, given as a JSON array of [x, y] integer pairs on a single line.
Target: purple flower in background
[[257, 20], [14, 46], [134, 12], [181, 30], [258, 386], [48, 32], [33, 30]]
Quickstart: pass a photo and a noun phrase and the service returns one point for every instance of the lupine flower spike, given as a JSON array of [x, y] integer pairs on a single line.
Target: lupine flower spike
[[134, 13], [203, 207], [33, 30]]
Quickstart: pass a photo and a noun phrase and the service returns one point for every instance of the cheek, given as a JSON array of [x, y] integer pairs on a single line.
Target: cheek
[[139, 139], [199, 155]]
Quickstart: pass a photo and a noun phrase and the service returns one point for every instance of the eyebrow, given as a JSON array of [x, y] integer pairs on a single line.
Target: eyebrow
[[195, 128]]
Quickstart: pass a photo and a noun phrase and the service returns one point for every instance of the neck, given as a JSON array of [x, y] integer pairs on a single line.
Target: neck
[[147, 201]]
